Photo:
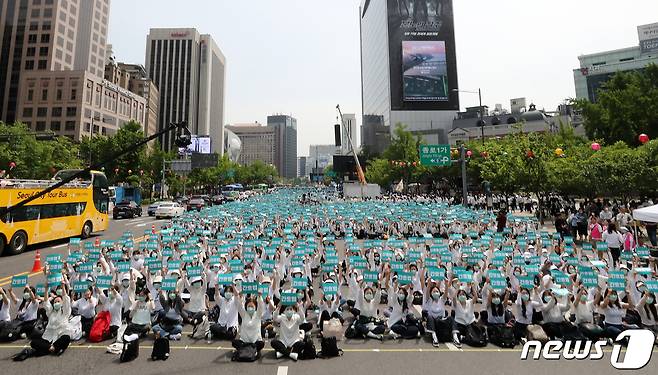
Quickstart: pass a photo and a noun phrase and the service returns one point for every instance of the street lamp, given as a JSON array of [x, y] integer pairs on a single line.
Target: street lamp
[[481, 123]]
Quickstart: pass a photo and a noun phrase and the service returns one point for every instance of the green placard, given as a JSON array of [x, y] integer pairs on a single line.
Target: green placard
[[498, 282], [87, 267], [437, 273], [264, 289], [41, 289], [123, 266], [371, 276], [617, 284], [288, 298], [465, 276], [55, 278], [299, 283], [527, 281], [250, 287], [652, 285], [590, 280], [268, 265], [193, 272], [405, 278], [561, 278], [18, 281], [330, 288], [80, 286], [397, 266], [103, 282], [169, 283], [435, 155], [116, 255], [225, 279]]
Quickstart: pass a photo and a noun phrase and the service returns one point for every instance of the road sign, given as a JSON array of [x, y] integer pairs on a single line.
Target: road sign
[[200, 161], [181, 166], [435, 155]]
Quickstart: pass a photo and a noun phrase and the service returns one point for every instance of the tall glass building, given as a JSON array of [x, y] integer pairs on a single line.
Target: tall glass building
[[409, 65]]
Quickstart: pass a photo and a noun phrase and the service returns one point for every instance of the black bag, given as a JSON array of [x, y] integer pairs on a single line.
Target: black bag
[[443, 330], [329, 348], [39, 329], [11, 331], [247, 353], [130, 350], [160, 349], [571, 332], [308, 351], [502, 335], [475, 336]]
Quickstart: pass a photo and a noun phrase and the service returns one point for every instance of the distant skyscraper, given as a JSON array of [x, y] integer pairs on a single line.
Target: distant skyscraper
[[189, 69], [285, 158], [301, 166]]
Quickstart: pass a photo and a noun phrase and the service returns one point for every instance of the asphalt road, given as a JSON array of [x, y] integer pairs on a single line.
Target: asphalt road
[[22, 264]]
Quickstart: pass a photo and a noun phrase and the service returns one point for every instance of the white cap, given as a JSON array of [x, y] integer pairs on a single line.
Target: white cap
[[125, 276], [296, 270], [195, 279], [157, 280]]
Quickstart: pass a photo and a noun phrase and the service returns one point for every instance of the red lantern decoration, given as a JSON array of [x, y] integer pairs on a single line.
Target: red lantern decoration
[[530, 154], [414, 164], [595, 146], [12, 165], [643, 138], [469, 153]]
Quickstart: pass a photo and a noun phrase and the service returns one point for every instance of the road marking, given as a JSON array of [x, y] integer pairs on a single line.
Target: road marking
[[282, 370], [5, 283], [452, 347], [59, 246], [9, 277]]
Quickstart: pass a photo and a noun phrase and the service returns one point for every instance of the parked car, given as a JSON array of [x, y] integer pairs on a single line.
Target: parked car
[[153, 207], [196, 203], [169, 210], [126, 209], [218, 199]]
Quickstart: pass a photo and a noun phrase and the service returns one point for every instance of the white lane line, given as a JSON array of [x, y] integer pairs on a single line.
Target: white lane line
[[59, 246], [282, 370], [142, 225], [452, 347]]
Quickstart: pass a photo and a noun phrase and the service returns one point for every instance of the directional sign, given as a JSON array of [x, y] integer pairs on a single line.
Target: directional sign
[[435, 155]]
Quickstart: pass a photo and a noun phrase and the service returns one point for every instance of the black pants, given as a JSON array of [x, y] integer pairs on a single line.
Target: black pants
[[42, 347], [520, 331], [139, 329], [281, 348], [361, 327], [441, 327], [306, 327], [408, 329], [86, 325], [552, 330], [325, 316], [223, 333], [616, 253], [238, 344]]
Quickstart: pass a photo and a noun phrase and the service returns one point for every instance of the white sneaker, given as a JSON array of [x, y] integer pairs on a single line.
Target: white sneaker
[[394, 336], [279, 355], [23, 335], [294, 356], [175, 337]]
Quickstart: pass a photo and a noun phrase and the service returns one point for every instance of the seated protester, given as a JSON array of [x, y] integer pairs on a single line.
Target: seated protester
[[463, 306], [170, 325], [496, 306], [329, 309], [646, 307], [613, 310], [127, 291], [290, 340], [402, 322], [303, 305], [438, 319], [524, 308], [140, 314], [154, 286], [553, 313], [583, 309], [113, 304], [197, 308], [354, 290], [85, 307], [417, 283], [367, 324], [251, 314], [5, 307], [26, 316], [226, 327], [267, 324], [57, 336]]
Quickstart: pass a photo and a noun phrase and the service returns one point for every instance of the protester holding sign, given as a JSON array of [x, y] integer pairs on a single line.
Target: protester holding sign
[[26, 315], [85, 307], [613, 310], [112, 301], [289, 342], [367, 323], [226, 326], [197, 308], [141, 310], [251, 313], [401, 320], [170, 324], [329, 302]]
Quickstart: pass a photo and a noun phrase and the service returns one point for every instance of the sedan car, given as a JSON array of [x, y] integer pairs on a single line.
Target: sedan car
[[126, 209], [196, 204], [152, 207], [169, 210]]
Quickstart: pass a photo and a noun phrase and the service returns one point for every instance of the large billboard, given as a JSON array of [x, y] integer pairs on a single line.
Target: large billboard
[[199, 144], [648, 37], [422, 55]]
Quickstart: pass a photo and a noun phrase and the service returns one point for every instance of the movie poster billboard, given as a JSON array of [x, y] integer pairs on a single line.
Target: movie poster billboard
[[422, 55]]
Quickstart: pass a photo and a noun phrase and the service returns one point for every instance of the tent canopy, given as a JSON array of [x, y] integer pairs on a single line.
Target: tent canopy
[[648, 214]]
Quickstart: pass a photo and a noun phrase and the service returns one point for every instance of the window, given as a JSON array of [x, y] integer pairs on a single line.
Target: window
[[31, 52], [46, 211], [74, 94], [47, 13], [71, 111], [45, 38], [46, 25], [36, 2], [27, 112], [43, 51], [29, 64], [32, 39], [58, 96], [41, 126], [34, 26], [44, 95], [42, 112], [57, 112], [69, 126], [36, 13], [30, 95], [43, 64], [55, 126]]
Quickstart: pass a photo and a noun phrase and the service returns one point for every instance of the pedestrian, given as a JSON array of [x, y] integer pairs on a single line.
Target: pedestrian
[[614, 241]]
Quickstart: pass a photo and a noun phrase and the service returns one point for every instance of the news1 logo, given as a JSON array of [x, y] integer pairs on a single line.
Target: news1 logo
[[637, 354]]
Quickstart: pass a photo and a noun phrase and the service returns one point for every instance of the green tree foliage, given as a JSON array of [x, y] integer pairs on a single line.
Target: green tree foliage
[[626, 107]]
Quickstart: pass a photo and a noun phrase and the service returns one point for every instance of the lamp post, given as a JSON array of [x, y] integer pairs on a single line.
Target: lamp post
[[481, 122]]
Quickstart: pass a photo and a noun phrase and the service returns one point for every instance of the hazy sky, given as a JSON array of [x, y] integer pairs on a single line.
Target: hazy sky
[[301, 57]]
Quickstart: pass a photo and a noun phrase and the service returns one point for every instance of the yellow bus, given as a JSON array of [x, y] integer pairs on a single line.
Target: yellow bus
[[78, 208]]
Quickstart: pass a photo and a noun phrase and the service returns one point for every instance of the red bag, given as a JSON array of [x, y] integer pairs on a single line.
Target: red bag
[[100, 329]]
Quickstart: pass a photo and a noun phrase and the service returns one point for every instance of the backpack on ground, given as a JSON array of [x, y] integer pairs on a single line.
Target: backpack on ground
[[11, 331], [130, 349], [475, 336], [333, 327], [246, 353], [501, 335], [308, 351], [329, 348], [536, 333], [100, 329], [571, 332], [201, 329], [160, 349]]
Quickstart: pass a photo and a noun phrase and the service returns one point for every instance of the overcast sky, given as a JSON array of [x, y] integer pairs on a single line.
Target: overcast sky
[[301, 57]]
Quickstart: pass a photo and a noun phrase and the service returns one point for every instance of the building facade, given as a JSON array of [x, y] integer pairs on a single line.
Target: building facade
[[76, 104], [321, 156], [597, 68], [133, 77], [189, 70], [301, 166], [258, 142], [375, 136], [418, 94], [48, 35], [285, 138]]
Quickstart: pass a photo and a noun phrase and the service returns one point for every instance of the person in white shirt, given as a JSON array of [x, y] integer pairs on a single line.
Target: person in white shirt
[[86, 308], [113, 304], [329, 307], [197, 308], [525, 308], [439, 322], [402, 322], [615, 241], [583, 309], [290, 340], [614, 312], [140, 314], [646, 306], [553, 313], [251, 314], [57, 336], [5, 307], [463, 306], [226, 327]]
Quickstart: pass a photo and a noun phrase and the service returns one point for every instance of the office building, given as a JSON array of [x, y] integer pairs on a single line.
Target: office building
[[258, 142], [597, 68], [301, 166], [348, 131], [375, 136], [43, 36], [285, 138], [133, 77], [397, 85], [321, 156], [189, 70]]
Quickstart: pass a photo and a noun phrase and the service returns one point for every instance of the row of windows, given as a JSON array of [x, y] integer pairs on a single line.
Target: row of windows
[[56, 112], [34, 26], [59, 95], [40, 126], [45, 211], [32, 38]]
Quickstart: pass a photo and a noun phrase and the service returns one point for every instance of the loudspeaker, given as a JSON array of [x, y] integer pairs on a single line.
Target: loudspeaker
[[337, 135]]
